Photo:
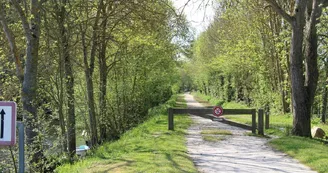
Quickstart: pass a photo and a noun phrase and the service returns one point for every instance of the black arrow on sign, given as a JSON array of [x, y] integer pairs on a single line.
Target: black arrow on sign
[[2, 113]]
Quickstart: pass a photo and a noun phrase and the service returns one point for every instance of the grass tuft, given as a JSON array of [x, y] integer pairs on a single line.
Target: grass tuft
[[216, 132], [215, 135], [213, 138]]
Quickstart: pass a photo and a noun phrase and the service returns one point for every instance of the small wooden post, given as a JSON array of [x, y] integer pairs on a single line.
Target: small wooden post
[[253, 121], [267, 120], [171, 119], [260, 122]]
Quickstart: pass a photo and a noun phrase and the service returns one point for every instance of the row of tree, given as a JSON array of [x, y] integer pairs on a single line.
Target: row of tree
[[85, 65], [267, 53]]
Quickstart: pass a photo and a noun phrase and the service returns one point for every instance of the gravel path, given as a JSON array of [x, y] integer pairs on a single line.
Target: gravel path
[[237, 153]]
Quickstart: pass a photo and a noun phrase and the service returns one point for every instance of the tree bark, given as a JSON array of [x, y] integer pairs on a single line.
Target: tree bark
[[325, 95], [102, 75], [324, 104], [301, 121], [69, 80], [90, 95], [88, 70]]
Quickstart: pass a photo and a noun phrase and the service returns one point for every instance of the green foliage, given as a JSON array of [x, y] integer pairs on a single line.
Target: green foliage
[[207, 100], [180, 102], [148, 147], [240, 58], [129, 49], [212, 101]]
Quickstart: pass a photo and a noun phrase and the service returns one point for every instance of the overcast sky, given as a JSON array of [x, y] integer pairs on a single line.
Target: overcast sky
[[198, 12]]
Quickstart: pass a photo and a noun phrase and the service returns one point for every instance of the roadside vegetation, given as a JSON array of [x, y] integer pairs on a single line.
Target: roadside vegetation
[[85, 72], [311, 152], [149, 147]]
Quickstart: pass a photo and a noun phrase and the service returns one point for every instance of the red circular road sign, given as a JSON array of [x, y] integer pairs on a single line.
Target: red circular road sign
[[217, 111]]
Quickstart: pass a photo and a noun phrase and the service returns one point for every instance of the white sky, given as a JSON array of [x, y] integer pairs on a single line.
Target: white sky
[[199, 13]]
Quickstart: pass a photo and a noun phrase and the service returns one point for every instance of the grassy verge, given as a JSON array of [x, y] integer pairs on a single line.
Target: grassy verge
[[150, 147], [308, 151], [311, 152], [180, 102]]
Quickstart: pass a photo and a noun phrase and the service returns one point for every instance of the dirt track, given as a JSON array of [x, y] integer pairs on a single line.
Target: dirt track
[[237, 153]]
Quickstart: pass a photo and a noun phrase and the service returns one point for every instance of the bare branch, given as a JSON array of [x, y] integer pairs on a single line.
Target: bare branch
[[279, 10]]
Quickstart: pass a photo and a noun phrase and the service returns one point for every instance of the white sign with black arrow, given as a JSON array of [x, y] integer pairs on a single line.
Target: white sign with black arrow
[[7, 123]]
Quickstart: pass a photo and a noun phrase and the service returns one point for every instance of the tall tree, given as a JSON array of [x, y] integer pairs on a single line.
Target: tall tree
[[62, 20], [31, 27], [303, 48], [89, 65]]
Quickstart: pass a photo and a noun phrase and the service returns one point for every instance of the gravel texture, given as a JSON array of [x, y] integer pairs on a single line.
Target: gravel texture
[[236, 153]]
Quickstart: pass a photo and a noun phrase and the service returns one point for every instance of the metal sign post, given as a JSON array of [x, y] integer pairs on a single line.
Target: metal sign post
[[21, 144]]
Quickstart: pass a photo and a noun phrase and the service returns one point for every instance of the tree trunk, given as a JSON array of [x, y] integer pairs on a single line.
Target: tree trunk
[[29, 88], [91, 106], [103, 71], [60, 103], [29, 78], [71, 133], [303, 126], [88, 70], [90, 96], [301, 121], [325, 96], [303, 24], [324, 105], [69, 79]]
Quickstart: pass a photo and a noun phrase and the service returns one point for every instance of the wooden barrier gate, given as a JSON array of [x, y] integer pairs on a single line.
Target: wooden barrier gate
[[208, 113]]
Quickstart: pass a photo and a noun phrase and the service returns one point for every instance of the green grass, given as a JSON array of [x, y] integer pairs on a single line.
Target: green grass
[[215, 135], [150, 147], [213, 138], [216, 132], [211, 101], [206, 100], [180, 102], [245, 119], [308, 151]]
